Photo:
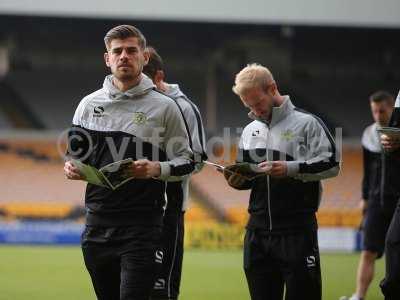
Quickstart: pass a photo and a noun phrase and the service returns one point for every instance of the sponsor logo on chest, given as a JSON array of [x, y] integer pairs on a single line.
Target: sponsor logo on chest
[[98, 111]]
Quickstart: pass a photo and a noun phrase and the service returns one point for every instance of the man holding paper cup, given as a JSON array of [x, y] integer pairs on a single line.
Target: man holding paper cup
[[391, 143], [377, 203]]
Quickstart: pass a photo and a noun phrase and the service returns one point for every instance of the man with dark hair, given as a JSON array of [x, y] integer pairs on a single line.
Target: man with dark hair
[[168, 280], [292, 150], [390, 285], [155, 69], [123, 32], [127, 118], [377, 217]]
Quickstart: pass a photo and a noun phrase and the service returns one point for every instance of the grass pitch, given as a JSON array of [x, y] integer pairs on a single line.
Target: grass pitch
[[44, 273]]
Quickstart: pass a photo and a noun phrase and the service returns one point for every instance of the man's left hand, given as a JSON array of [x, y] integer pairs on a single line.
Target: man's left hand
[[389, 143], [278, 169], [144, 169]]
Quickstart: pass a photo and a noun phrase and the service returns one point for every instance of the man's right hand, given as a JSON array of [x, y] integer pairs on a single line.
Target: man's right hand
[[389, 143], [71, 172]]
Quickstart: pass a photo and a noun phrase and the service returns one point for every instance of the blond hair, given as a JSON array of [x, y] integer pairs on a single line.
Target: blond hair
[[253, 75]]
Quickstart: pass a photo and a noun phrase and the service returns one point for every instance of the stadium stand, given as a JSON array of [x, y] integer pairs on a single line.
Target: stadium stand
[[4, 122], [321, 79], [55, 109], [332, 80], [32, 174], [340, 199], [33, 185], [16, 109]]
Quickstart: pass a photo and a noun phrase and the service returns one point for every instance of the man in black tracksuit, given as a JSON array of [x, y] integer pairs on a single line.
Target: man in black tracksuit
[[391, 173], [168, 280], [377, 214], [296, 151], [127, 118]]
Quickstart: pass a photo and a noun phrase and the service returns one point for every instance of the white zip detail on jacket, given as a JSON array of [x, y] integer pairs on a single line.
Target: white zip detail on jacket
[[268, 185]]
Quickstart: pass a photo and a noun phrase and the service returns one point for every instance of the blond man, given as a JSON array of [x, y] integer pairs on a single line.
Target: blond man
[[295, 151]]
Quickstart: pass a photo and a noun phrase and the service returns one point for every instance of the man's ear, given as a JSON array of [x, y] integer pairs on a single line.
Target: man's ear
[[272, 88], [106, 59], [146, 56]]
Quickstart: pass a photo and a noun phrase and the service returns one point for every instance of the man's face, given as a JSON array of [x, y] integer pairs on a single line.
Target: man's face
[[258, 101], [381, 112], [126, 58]]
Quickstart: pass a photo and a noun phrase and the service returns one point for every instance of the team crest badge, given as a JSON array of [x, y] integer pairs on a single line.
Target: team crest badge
[[287, 135], [139, 118]]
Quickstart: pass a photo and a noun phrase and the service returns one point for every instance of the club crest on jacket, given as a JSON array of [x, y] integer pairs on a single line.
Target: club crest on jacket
[[139, 118]]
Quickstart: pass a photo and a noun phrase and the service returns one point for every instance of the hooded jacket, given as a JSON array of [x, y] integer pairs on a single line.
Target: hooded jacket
[[390, 185], [372, 162], [178, 192], [300, 138], [110, 125]]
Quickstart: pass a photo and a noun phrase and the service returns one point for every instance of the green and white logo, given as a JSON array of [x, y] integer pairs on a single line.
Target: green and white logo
[[287, 135], [139, 118]]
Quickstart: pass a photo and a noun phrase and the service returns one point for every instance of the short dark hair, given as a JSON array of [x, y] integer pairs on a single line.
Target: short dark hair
[[155, 63], [123, 32], [382, 96]]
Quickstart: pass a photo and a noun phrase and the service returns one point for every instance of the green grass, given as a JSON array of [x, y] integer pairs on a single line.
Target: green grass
[[44, 273]]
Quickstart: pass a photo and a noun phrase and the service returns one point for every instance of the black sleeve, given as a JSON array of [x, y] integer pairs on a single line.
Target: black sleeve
[[366, 174]]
